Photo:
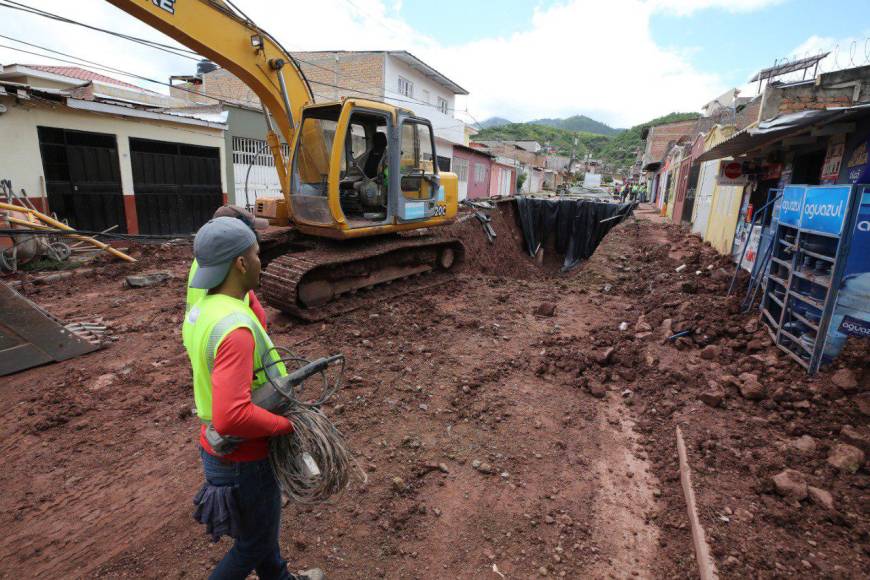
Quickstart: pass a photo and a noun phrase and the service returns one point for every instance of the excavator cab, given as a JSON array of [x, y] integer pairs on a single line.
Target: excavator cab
[[360, 165]]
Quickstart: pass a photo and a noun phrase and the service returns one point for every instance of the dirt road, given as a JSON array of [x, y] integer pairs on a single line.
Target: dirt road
[[496, 441]]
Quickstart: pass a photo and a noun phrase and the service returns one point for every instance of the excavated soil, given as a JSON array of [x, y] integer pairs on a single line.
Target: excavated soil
[[498, 442]]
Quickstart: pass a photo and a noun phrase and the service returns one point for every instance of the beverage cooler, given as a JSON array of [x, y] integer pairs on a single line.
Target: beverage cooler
[[817, 287]]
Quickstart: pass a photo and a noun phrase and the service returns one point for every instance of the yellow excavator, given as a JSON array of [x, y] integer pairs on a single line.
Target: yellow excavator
[[359, 171]]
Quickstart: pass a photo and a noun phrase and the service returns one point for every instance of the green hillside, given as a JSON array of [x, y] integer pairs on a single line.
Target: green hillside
[[617, 151], [579, 123], [562, 140]]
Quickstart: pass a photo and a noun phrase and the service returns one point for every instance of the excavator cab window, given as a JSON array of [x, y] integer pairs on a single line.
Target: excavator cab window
[[310, 172], [416, 163], [364, 183]]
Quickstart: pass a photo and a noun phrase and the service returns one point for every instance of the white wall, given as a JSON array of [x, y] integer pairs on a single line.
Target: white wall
[[446, 126], [21, 161]]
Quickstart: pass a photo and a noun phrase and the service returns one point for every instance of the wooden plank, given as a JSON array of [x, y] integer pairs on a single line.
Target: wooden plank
[[706, 565]]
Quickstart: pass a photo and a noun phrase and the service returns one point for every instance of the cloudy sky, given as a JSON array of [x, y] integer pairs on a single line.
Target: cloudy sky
[[619, 61]]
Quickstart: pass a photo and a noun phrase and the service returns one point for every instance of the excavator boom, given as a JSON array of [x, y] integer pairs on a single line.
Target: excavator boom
[[215, 30], [359, 170]]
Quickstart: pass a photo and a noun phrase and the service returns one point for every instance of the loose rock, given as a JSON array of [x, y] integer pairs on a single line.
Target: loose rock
[[546, 309], [847, 458], [750, 388], [821, 497], [859, 438], [845, 379], [804, 444], [791, 484], [146, 280]]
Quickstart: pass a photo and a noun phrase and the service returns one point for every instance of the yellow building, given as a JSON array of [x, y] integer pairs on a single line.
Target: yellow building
[[724, 201]]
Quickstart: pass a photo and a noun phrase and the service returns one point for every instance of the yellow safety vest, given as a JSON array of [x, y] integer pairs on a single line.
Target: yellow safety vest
[[210, 320]]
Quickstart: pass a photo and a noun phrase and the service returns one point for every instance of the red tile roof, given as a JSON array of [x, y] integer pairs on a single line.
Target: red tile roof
[[81, 74]]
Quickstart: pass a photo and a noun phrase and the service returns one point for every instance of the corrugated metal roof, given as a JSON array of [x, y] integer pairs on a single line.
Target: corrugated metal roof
[[81, 74], [765, 133]]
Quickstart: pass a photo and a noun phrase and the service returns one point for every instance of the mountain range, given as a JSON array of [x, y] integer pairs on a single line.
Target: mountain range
[[618, 148], [573, 123]]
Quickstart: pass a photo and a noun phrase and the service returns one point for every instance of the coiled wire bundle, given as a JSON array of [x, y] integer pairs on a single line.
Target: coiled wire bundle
[[314, 437]]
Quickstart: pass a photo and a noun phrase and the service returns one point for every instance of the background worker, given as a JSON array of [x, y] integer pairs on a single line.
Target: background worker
[[226, 343]]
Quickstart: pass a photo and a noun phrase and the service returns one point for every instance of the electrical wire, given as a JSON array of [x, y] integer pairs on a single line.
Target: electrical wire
[[169, 48], [314, 437], [105, 68], [177, 51]]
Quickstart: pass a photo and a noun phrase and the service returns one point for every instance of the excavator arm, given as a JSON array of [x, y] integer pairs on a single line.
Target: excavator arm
[[216, 31]]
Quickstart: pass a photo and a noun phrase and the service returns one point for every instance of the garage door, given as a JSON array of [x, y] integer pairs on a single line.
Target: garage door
[[177, 186], [82, 178]]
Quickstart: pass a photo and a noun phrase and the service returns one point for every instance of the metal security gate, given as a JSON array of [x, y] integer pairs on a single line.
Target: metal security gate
[[254, 168], [177, 186], [82, 178]]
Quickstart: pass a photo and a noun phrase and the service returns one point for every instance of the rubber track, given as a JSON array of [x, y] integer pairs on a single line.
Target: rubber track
[[281, 278]]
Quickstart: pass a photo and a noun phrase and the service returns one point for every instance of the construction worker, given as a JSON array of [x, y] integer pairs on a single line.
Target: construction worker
[[195, 294], [227, 344]]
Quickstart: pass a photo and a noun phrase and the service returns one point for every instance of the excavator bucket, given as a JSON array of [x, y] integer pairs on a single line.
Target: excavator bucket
[[29, 336]]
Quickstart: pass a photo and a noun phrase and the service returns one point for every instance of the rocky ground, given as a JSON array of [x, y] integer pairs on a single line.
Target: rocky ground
[[515, 422]]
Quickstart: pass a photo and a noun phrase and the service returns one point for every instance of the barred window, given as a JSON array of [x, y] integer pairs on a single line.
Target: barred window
[[248, 151]]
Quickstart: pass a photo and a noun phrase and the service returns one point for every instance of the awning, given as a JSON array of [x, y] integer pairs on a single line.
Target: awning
[[652, 166], [764, 133], [779, 128]]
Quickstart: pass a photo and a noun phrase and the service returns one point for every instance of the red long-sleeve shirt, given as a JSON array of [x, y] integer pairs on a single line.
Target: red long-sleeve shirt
[[232, 412]]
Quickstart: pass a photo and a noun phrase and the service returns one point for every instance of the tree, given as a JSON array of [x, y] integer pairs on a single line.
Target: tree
[[521, 179]]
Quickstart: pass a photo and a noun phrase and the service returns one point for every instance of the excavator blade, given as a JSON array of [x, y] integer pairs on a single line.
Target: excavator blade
[[30, 337], [335, 278]]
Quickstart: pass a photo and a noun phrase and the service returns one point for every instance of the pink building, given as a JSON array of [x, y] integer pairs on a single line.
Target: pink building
[[503, 179], [473, 168]]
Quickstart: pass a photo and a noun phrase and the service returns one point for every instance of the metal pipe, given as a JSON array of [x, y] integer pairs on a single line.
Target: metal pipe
[[285, 96]]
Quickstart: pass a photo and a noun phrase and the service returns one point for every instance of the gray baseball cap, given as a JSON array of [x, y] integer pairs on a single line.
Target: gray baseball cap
[[215, 246]]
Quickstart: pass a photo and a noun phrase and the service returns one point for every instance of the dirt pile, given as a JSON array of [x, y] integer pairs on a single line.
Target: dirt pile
[[498, 432], [689, 358]]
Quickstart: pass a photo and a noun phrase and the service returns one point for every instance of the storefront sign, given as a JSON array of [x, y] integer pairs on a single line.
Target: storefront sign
[[731, 173], [833, 159], [858, 164], [825, 209], [855, 327], [751, 254], [852, 314], [791, 206]]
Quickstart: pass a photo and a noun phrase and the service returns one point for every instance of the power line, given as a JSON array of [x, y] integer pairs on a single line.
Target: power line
[[196, 57], [78, 61], [12, 4], [177, 51]]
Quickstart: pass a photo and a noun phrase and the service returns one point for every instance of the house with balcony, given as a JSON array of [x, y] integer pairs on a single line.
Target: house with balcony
[[396, 77]]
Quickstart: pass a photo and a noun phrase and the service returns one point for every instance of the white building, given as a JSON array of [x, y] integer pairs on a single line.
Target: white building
[[396, 77], [99, 152]]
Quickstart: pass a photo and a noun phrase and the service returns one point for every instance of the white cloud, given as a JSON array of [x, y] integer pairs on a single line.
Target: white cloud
[[590, 57], [684, 7]]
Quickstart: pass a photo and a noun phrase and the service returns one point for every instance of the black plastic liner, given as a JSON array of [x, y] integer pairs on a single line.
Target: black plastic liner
[[579, 225]]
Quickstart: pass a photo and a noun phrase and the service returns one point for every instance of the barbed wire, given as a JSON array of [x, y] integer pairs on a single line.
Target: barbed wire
[[840, 56]]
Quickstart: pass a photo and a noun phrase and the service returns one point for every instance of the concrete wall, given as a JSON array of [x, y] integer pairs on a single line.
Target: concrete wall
[[835, 89], [446, 126], [21, 161]]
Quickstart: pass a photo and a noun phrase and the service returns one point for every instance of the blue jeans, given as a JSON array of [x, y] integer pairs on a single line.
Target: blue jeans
[[259, 501]]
